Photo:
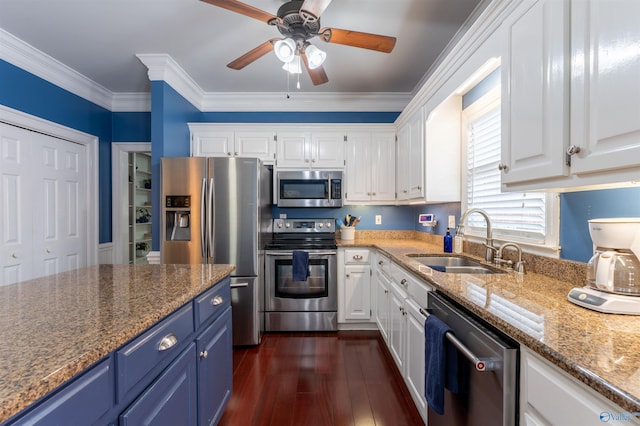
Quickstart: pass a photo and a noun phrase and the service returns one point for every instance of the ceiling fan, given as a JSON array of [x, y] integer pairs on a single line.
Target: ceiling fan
[[299, 21]]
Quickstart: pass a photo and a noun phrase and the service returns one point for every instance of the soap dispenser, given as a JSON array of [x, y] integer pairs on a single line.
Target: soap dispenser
[[448, 242]]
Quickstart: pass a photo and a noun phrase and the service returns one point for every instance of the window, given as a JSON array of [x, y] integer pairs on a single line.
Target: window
[[525, 218]]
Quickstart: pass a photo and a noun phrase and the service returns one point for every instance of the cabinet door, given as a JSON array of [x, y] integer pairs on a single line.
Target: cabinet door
[[416, 157], [255, 144], [414, 357], [215, 369], [357, 292], [359, 167], [171, 399], [292, 149], [328, 149], [605, 93], [382, 158], [382, 305], [535, 91], [397, 326], [212, 143], [403, 164]]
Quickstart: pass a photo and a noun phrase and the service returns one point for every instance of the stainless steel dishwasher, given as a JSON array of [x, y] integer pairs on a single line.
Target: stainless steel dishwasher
[[490, 395]]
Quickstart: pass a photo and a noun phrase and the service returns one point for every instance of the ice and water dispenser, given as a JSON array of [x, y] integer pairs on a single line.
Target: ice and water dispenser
[[178, 218]]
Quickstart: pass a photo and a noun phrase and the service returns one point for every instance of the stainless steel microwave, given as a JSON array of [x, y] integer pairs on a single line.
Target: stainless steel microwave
[[309, 188]]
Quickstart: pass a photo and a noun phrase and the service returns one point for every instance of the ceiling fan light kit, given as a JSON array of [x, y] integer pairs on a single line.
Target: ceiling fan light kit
[[299, 21]]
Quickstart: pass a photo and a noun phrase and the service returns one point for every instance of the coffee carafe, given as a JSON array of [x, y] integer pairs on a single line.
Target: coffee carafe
[[615, 265], [615, 271]]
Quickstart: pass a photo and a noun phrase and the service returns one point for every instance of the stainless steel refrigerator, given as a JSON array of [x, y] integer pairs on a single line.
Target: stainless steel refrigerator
[[218, 210]]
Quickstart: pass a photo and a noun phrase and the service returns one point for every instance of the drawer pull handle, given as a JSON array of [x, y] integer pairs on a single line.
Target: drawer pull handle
[[167, 342], [217, 300], [204, 354], [357, 257]]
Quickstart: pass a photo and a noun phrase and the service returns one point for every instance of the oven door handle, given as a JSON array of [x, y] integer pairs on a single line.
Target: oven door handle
[[311, 254], [481, 364]]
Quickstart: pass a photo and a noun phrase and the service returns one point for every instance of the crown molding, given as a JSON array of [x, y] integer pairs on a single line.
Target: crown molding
[[131, 102], [162, 67], [305, 101], [38, 63]]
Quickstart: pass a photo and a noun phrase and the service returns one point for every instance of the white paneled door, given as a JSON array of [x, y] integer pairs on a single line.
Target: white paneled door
[[43, 225]]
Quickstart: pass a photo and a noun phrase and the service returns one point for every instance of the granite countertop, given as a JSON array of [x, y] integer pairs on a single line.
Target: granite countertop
[[601, 350], [55, 327]]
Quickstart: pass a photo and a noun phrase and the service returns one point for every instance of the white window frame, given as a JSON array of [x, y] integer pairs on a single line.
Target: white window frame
[[550, 246]]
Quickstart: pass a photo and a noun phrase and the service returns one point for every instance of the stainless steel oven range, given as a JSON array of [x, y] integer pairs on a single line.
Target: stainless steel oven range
[[309, 305]]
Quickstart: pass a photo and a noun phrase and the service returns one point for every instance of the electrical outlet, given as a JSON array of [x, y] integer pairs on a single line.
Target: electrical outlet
[[452, 221], [378, 219]]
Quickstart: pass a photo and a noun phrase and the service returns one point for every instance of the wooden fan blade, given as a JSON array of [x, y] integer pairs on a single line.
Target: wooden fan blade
[[252, 55], [314, 7], [243, 9], [318, 76], [358, 39]]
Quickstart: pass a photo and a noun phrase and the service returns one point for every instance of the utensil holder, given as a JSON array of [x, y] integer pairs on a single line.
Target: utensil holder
[[348, 233]]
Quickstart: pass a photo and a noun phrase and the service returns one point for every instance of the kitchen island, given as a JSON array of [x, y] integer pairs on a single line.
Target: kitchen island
[[56, 327], [599, 350]]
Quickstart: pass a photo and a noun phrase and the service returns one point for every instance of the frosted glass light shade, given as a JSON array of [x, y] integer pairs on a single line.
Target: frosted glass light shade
[[293, 67], [315, 56], [285, 49]]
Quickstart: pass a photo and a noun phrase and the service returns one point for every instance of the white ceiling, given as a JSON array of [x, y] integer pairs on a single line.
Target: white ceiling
[[100, 40]]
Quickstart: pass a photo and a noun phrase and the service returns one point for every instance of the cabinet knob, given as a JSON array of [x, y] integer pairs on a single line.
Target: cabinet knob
[[404, 282], [347, 275], [235, 153], [204, 354], [14, 255], [48, 250], [503, 167], [573, 149], [217, 300], [373, 193], [229, 153], [380, 262]]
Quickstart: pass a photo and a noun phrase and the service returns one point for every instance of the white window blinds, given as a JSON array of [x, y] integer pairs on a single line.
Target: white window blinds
[[513, 214]]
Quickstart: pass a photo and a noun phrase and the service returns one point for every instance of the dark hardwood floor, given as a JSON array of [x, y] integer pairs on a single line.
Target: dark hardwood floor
[[343, 378]]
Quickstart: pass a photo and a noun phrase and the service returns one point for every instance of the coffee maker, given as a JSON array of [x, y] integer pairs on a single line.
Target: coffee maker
[[613, 272]]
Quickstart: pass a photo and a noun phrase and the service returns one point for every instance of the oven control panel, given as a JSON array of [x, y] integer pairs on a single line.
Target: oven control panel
[[303, 225]]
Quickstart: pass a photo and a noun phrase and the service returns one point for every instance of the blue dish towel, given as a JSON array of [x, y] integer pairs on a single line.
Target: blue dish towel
[[300, 265], [441, 363]]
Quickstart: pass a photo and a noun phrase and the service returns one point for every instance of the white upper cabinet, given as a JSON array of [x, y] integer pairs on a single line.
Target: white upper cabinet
[[371, 168], [535, 88], [571, 94], [428, 166], [299, 149], [410, 164], [211, 140], [605, 89]]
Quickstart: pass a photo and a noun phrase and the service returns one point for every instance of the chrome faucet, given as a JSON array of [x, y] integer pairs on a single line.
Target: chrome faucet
[[489, 248], [519, 266]]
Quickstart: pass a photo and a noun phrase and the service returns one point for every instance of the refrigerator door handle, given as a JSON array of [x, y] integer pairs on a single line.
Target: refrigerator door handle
[[211, 220], [203, 209]]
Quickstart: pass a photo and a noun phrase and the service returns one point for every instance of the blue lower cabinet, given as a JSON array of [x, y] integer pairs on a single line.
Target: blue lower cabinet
[[171, 400], [83, 402], [215, 372]]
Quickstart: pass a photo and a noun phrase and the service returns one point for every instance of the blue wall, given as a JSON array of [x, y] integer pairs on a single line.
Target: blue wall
[[25, 92], [576, 208]]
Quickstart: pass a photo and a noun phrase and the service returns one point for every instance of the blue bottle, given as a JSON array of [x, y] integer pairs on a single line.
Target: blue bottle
[[448, 242]]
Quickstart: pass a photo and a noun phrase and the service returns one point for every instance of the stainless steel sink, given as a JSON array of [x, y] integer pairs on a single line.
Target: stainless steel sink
[[454, 264]]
